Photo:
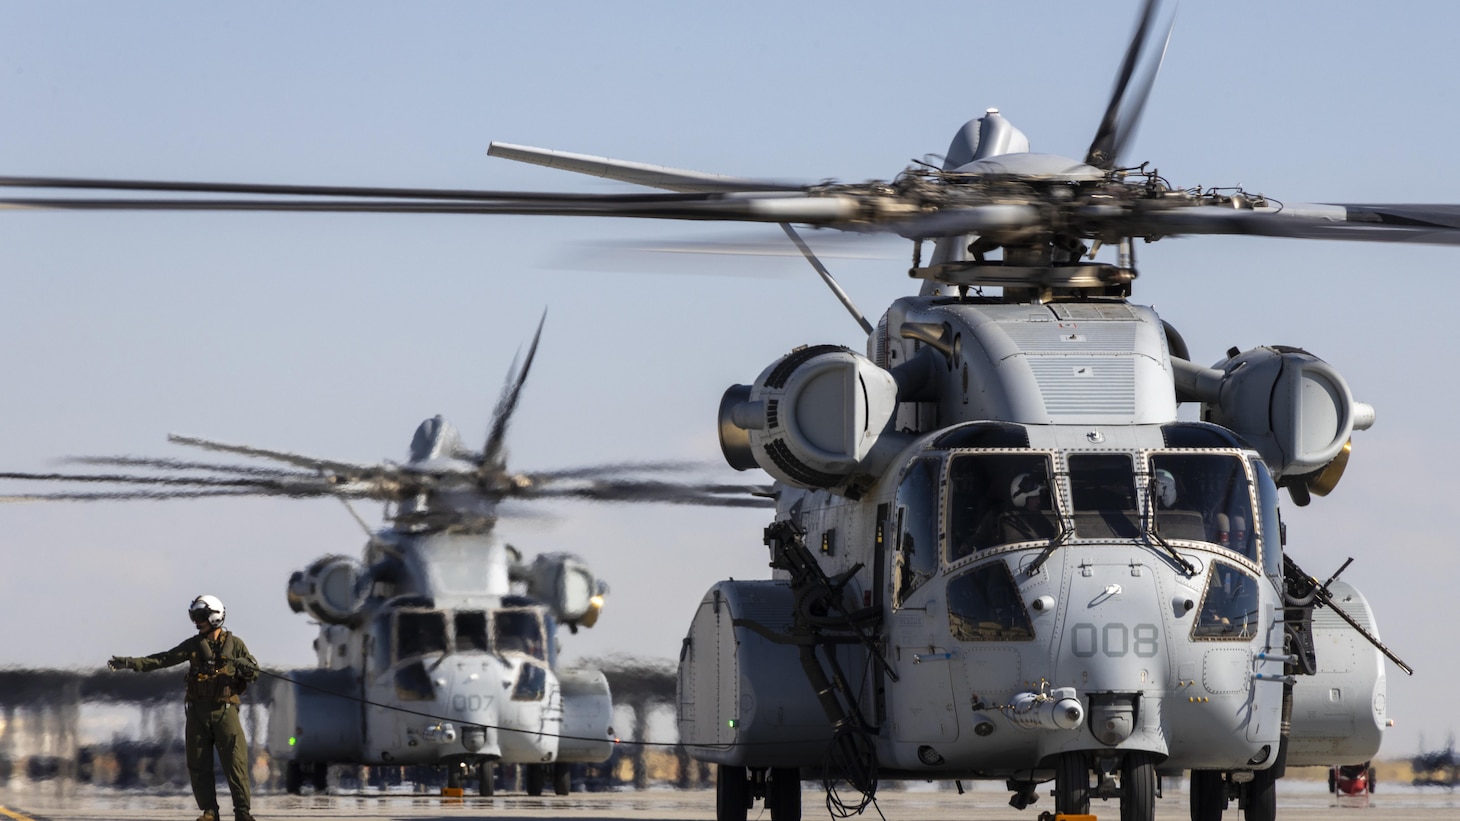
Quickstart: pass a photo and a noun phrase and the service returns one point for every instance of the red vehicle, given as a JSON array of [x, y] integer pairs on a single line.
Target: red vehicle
[[1351, 779]]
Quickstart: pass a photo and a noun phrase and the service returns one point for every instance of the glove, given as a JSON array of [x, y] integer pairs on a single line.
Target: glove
[[122, 663]]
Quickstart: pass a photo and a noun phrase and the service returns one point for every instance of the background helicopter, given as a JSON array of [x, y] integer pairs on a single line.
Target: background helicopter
[[1236, 101], [440, 644]]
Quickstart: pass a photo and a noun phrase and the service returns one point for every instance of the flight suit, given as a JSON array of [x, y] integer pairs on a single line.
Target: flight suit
[[218, 671]]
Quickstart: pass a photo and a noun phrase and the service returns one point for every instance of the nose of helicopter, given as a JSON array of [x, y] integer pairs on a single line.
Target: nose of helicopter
[[471, 688]]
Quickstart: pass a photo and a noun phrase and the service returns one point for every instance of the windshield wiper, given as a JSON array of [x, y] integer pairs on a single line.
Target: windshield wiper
[[1059, 541]]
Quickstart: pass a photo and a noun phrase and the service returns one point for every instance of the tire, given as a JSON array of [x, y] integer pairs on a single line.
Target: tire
[[1208, 795], [485, 777], [1071, 784], [1261, 797], [732, 793], [533, 776], [1138, 787], [453, 775], [293, 778], [1373, 779], [321, 777], [783, 794], [562, 778]]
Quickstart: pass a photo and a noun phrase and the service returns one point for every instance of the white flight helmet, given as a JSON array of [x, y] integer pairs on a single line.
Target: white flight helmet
[[209, 609], [1164, 487], [1025, 487]]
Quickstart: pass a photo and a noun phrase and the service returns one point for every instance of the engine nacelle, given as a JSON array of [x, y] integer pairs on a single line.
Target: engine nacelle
[[1293, 407], [565, 584], [814, 419], [331, 589], [1339, 713]]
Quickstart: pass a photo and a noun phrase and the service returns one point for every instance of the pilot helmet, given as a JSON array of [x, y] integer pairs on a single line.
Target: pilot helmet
[[1163, 487], [207, 610], [1025, 487]]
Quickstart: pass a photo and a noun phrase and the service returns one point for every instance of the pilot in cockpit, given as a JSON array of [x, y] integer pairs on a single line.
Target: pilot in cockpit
[[1029, 519]]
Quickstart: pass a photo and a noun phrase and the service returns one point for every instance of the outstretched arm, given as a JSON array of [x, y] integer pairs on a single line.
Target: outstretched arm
[[156, 661]]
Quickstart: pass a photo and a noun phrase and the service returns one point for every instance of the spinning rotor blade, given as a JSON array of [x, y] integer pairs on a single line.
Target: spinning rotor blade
[[178, 464], [614, 469], [122, 496], [506, 405], [1422, 224], [708, 495], [298, 460], [1119, 123]]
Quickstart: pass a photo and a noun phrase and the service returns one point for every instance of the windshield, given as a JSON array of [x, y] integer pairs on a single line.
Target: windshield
[[996, 499], [419, 632], [917, 527], [1103, 494], [1204, 497], [518, 631]]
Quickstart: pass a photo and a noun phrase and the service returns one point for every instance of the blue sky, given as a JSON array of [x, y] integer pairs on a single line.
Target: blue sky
[[336, 335]]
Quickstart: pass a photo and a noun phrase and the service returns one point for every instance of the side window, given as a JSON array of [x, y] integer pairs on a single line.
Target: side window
[[1103, 493], [984, 605], [996, 499], [917, 528], [1229, 605], [1270, 521]]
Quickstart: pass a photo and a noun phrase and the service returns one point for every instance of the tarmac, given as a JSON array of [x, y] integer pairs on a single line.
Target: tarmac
[[980, 803]]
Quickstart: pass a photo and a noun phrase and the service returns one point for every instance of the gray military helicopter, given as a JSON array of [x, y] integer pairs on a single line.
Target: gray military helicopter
[[439, 645], [999, 552]]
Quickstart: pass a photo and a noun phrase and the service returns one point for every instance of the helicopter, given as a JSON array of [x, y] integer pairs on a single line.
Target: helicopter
[[866, 425], [439, 645]]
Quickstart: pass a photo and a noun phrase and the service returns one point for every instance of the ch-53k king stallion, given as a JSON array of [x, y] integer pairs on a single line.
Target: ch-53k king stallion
[[999, 552], [439, 645]]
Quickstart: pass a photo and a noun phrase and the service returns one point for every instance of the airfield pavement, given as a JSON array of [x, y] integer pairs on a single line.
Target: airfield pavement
[[983, 803]]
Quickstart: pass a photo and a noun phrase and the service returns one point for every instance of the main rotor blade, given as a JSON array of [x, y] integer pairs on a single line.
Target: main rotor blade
[[506, 405], [1119, 122], [298, 460], [653, 176], [359, 192], [180, 465], [829, 210], [1430, 225], [124, 496], [614, 469], [710, 495]]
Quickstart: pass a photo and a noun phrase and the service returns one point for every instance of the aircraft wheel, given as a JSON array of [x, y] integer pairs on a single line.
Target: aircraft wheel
[[562, 778], [1373, 779], [1071, 784], [533, 776], [1208, 795], [783, 794], [321, 777], [485, 776], [453, 775], [1262, 796], [1138, 787], [293, 778], [732, 793]]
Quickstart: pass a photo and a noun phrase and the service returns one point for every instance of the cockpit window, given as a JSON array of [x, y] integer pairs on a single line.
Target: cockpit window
[[1103, 492], [518, 631], [418, 632], [984, 605], [1229, 605], [471, 632], [1204, 497], [917, 527], [996, 499]]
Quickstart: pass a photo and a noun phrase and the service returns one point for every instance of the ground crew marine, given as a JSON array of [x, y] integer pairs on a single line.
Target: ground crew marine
[[219, 669]]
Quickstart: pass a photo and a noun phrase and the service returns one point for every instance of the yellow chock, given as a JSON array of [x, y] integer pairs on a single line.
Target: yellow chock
[[452, 792]]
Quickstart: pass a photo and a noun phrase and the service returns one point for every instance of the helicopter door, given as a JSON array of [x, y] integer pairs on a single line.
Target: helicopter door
[[922, 699]]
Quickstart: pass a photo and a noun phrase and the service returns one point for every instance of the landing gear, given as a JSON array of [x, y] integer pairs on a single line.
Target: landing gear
[[485, 777], [321, 777], [1261, 796], [732, 793], [1071, 784], [783, 794], [1208, 795], [293, 778], [562, 778], [533, 777], [1138, 787], [295, 772], [453, 775]]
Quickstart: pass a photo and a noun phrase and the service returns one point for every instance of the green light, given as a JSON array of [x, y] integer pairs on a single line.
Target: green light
[[732, 722], [293, 741]]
